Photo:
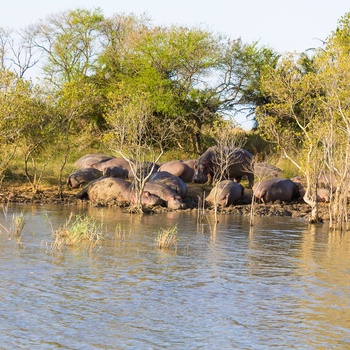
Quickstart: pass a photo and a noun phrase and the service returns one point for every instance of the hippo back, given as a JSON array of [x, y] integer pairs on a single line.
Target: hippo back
[[170, 180], [225, 193], [276, 189], [114, 162], [183, 169], [109, 190], [82, 177], [238, 159], [91, 158]]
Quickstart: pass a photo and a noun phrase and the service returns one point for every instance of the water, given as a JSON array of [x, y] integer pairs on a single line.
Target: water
[[282, 285]]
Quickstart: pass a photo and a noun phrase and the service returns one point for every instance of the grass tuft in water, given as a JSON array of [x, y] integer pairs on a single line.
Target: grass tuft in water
[[18, 224], [79, 231], [167, 238], [13, 227]]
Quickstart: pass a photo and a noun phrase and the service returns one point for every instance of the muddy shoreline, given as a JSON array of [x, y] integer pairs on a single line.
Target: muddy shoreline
[[297, 209]]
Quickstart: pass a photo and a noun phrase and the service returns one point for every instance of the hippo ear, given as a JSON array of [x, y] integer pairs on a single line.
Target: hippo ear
[[147, 193]]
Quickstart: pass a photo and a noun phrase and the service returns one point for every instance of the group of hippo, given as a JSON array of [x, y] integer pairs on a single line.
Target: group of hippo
[[108, 179]]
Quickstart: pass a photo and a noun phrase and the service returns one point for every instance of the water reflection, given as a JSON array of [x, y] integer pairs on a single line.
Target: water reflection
[[324, 263], [277, 284]]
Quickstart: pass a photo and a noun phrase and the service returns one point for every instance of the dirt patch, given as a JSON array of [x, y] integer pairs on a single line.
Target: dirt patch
[[194, 201]]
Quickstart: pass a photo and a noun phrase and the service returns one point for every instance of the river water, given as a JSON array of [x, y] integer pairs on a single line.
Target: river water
[[281, 284]]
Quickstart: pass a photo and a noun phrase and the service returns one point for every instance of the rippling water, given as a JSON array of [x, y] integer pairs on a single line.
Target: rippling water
[[279, 285]]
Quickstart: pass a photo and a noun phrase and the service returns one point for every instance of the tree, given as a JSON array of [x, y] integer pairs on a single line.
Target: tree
[[70, 43], [11, 92], [309, 118], [132, 135], [25, 123], [193, 76], [334, 73], [228, 140], [75, 106], [292, 120]]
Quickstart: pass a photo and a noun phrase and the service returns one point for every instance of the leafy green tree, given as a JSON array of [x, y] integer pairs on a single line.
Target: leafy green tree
[[25, 124], [10, 114], [75, 106], [334, 73], [132, 135], [69, 42], [309, 118], [189, 73], [193, 78], [292, 120]]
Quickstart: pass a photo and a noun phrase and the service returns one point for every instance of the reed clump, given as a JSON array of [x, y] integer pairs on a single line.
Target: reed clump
[[167, 238], [18, 224], [79, 231], [13, 227]]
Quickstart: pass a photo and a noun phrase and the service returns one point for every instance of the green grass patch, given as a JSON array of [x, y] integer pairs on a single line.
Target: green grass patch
[[167, 238], [78, 232]]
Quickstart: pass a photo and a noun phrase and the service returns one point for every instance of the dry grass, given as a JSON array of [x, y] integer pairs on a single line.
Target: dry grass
[[167, 238], [13, 227], [18, 223], [78, 232]]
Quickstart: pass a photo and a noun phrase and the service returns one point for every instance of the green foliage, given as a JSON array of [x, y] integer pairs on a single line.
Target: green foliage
[[309, 116], [129, 83], [79, 232], [69, 43]]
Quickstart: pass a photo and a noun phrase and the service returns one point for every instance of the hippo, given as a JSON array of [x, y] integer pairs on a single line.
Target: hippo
[[143, 169], [266, 170], [183, 169], [88, 159], [115, 171], [107, 190], [173, 200], [276, 189], [116, 161], [110, 190], [323, 190], [323, 195], [239, 163], [147, 199], [170, 180], [326, 181], [82, 177], [225, 193]]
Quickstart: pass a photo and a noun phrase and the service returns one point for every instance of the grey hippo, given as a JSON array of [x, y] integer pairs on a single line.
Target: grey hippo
[[238, 162], [276, 189], [225, 193]]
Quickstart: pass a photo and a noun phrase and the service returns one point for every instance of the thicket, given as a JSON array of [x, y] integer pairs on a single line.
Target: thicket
[[308, 117], [78, 81]]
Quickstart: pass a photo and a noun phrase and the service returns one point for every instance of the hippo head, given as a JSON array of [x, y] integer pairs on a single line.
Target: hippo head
[[175, 202], [201, 170], [150, 199]]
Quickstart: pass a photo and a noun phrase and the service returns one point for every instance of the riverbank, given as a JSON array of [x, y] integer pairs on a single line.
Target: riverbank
[[48, 195]]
